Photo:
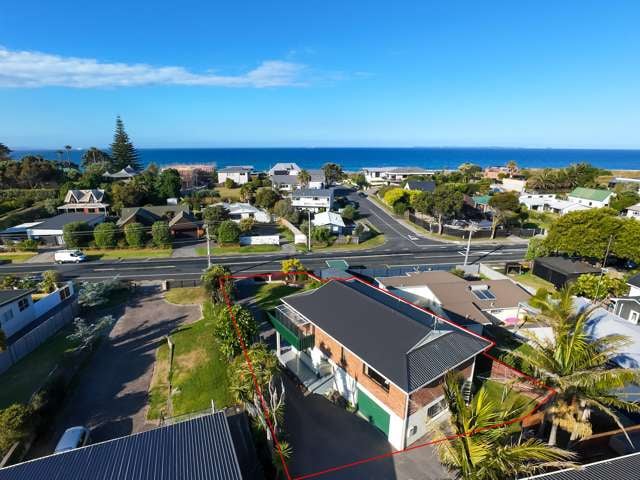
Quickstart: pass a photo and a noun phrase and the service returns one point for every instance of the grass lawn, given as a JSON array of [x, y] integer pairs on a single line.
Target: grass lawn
[[542, 219], [233, 249], [186, 296], [230, 193], [23, 378], [117, 253], [499, 393], [373, 242], [533, 281], [198, 373], [16, 257], [269, 294]]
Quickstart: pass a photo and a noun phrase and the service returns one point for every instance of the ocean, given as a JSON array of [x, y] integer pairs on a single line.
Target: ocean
[[353, 159]]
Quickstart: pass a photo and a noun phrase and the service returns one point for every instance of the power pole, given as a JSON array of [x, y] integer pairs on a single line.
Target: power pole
[[466, 255], [309, 233], [208, 246], [603, 269]]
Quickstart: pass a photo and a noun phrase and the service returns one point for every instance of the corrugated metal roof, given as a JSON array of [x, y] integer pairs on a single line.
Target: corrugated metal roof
[[8, 296], [621, 468], [197, 449]]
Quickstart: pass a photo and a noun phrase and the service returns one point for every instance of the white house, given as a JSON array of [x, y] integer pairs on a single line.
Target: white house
[[238, 211], [284, 169], [634, 211], [563, 207], [285, 183], [314, 200], [536, 201], [331, 220], [240, 174], [590, 197], [261, 235], [514, 185], [392, 175], [50, 230]]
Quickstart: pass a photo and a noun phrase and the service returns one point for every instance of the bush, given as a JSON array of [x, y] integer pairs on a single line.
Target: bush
[[228, 232], [266, 197], [135, 235], [95, 294], [225, 330], [28, 245], [246, 224], [229, 183], [105, 235], [349, 212], [321, 234], [50, 279], [15, 425], [399, 208], [161, 234], [76, 234], [598, 287], [211, 280]]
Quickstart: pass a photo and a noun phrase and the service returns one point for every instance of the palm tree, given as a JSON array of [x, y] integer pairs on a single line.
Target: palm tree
[[304, 178], [68, 149], [577, 366], [479, 452], [512, 168]]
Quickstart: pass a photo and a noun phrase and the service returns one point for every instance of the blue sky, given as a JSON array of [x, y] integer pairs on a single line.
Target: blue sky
[[321, 73]]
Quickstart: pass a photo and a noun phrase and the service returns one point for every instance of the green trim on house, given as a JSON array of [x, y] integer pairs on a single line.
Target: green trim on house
[[374, 413], [590, 194], [295, 339]]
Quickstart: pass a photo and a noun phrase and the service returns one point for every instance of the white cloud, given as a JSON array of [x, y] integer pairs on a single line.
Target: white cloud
[[28, 69]]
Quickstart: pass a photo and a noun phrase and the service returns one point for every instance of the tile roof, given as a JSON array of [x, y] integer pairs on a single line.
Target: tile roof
[[590, 194], [8, 296], [197, 449], [620, 468], [408, 346]]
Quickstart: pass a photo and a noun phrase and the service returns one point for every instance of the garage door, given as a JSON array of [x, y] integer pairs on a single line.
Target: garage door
[[370, 410]]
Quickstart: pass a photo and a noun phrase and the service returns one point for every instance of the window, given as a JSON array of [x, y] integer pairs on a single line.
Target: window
[[634, 316], [483, 293], [376, 377], [65, 293], [437, 408], [23, 304]]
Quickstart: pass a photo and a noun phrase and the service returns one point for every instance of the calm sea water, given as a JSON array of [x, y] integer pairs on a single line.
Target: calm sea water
[[357, 158]]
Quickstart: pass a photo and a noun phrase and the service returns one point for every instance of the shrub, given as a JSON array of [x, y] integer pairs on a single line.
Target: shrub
[[228, 232], [229, 183], [76, 234], [391, 197], [246, 224], [134, 234], [598, 287], [95, 294], [349, 212], [105, 235], [211, 280], [50, 280], [321, 234], [399, 208], [15, 424], [266, 197], [225, 330], [161, 234], [29, 245]]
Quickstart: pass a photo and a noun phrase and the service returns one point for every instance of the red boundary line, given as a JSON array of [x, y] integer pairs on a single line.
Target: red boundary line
[[265, 409]]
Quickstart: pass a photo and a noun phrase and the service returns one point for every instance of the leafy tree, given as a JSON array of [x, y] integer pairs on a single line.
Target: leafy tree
[[50, 279], [5, 153], [85, 334], [505, 206], [265, 366], [469, 171], [304, 177], [135, 235], [76, 234], [479, 451], [577, 366], [123, 152], [169, 184], [284, 209], [247, 192], [214, 281], [231, 339], [536, 248], [399, 208], [360, 180], [215, 215], [624, 200], [94, 294], [15, 425], [228, 232], [447, 202], [246, 224], [349, 212], [292, 265], [229, 183], [266, 197], [321, 234], [105, 235], [161, 234], [422, 202], [512, 168], [95, 156], [332, 173], [395, 195], [127, 194], [599, 287]]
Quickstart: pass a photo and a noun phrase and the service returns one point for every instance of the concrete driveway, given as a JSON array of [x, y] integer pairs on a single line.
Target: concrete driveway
[[324, 436], [110, 395]]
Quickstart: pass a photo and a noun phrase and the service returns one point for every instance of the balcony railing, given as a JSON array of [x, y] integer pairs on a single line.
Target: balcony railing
[[294, 328]]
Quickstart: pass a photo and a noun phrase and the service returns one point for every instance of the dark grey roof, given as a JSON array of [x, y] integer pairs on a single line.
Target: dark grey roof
[[236, 169], [313, 192], [405, 344], [566, 265], [197, 449], [8, 296], [621, 468], [423, 186], [635, 280], [59, 221], [183, 216], [285, 179]]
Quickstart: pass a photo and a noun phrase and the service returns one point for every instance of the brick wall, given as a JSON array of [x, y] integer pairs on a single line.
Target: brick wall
[[394, 399]]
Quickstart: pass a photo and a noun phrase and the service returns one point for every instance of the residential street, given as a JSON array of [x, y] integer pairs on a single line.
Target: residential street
[[110, 394]]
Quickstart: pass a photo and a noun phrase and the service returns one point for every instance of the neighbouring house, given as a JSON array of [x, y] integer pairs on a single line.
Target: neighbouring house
[[495, 172], [561, 270], [50, 230], [481, 202], [126, 174], [286, 183], [628, 307], [385, 356], [16, 310], [209, 447], [548, 202], [284, 168], [590, 197], [261, 235], [314, 200], [150, 214], [331, 220], [193, 175], [423, 186], [239, 211], [635, 182], [185, 224], [625, 467], [85, 201], [517, 185], [240, 174], [562, 207], [17, 232], [318, 179], [471, 303], [633, 211], [393, 175]]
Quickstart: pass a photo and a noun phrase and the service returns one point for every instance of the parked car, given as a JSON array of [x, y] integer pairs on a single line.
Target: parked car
[[69, 256], [74, 437], [362, 194]]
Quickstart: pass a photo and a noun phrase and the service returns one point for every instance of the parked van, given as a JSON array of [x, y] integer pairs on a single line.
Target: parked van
[[74, 437], [69, 256]]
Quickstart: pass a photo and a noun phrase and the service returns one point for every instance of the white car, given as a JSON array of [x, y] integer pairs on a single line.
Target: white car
[[69, 256]]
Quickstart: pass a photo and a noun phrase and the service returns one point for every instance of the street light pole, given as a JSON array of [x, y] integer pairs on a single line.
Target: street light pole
[[604, 265], [208, 247], [466, 255], [309, 233]]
